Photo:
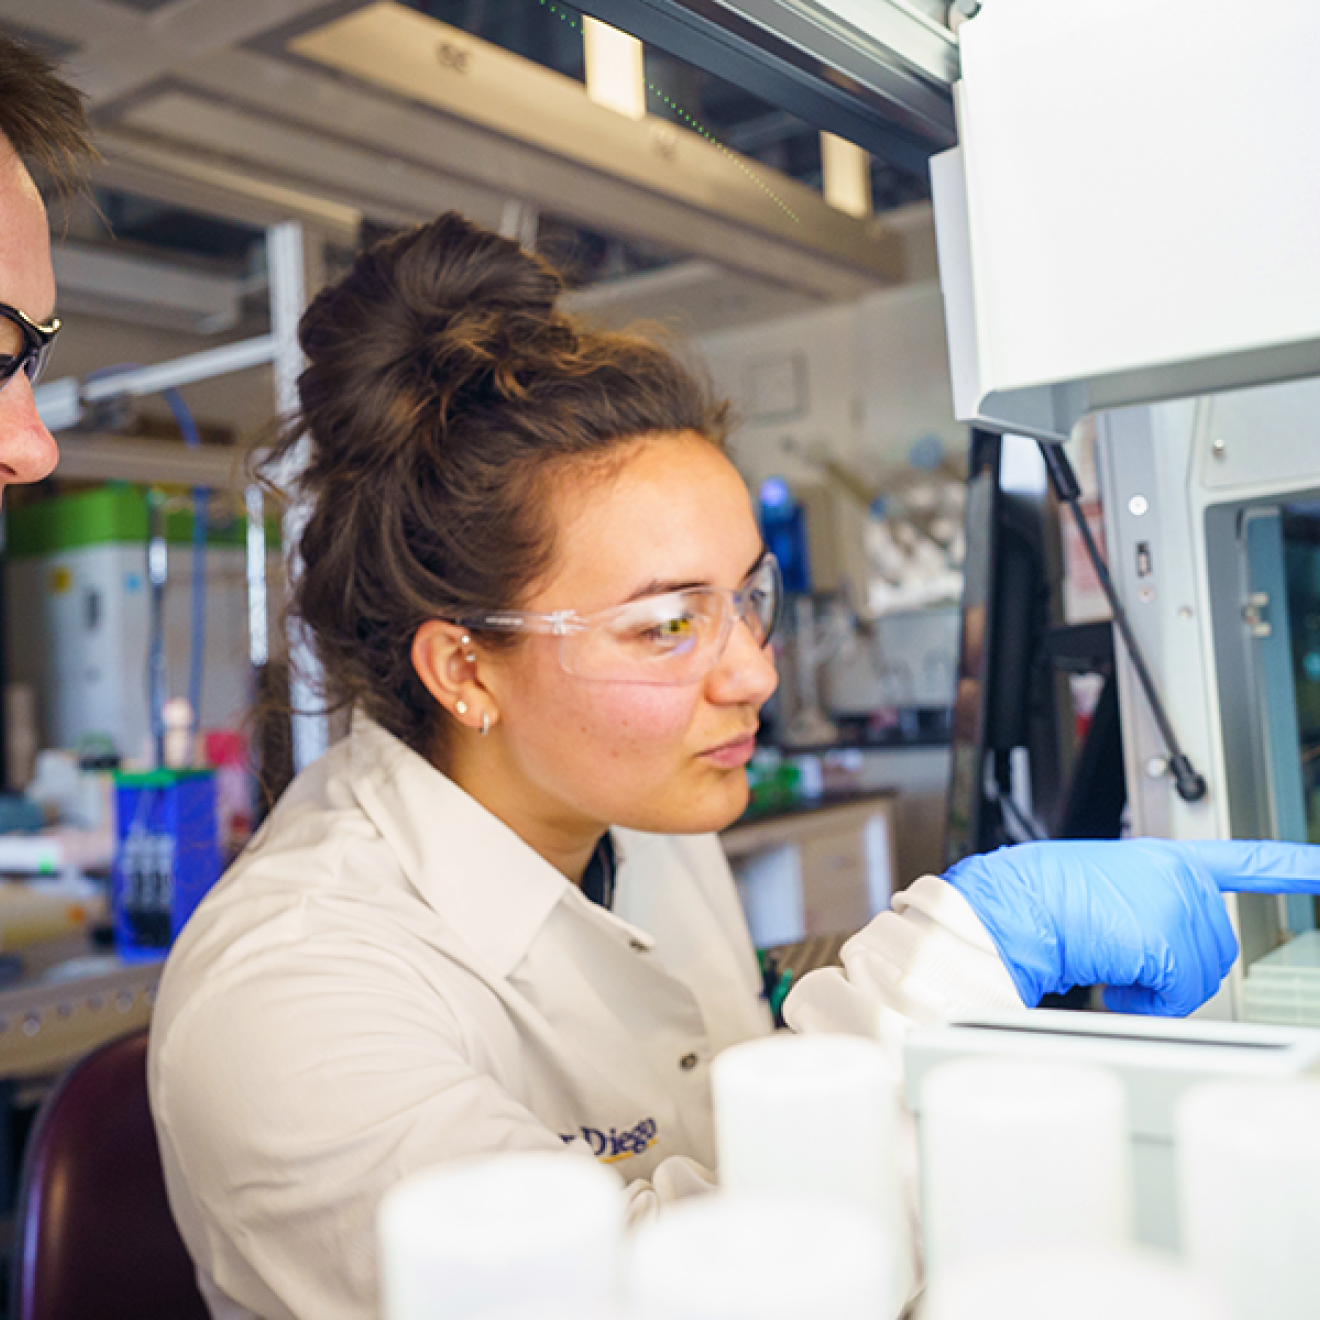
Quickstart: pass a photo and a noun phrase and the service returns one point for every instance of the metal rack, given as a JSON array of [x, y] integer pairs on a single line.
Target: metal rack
[[47, 1025]]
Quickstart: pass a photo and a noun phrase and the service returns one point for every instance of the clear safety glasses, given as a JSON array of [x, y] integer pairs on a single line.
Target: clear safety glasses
[[24, 344], [673, 638]]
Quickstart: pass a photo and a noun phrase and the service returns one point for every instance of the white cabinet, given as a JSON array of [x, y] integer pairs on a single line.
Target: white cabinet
[[822, 869]]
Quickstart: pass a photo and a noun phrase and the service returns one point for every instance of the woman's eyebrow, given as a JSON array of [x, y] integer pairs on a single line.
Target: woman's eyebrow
[[658, 588]]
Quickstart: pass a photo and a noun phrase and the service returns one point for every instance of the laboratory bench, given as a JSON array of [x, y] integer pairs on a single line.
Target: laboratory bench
[[764, 812], [916, 773], [819, 866]]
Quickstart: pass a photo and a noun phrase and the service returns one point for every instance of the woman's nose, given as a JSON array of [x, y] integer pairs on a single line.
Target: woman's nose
[[27, 449], [746, 671]]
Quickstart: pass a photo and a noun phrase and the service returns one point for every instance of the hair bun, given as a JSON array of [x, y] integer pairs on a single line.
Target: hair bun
[[442, 314], [452, 264]]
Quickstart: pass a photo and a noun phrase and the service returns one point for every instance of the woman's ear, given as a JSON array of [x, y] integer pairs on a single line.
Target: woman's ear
[[445, 658]]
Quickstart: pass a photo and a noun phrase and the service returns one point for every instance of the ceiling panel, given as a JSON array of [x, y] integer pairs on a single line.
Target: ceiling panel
[[691, 298], [58, 48], [147, 6]]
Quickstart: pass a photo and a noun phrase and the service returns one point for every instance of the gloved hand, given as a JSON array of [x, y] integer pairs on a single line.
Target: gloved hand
[[1143, 917]]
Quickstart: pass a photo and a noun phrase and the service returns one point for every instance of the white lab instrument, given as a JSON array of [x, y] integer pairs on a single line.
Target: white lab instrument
[[58, 851], [31, 854], [79, 635], [1249, 1184], [1075, 1283], [1212, 507], [729, 1257], [1284, 986], [1090, 260], [497, 1235], [1090, 254], [1155, 1059], [1021, 1154], [814, 1115]]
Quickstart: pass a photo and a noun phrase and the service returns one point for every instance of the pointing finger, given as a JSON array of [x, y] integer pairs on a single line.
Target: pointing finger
[[1258, 866]]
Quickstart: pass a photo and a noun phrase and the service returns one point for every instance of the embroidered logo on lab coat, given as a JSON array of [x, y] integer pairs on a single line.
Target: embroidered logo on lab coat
[[613, 1146]]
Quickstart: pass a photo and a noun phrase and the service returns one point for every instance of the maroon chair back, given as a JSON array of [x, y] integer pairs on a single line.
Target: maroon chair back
[[95, 1239]]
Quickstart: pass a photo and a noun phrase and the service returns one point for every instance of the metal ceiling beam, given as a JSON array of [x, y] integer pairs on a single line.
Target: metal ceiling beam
[[119, 50], [878, 72], [151, 292], [93, 456], [366, 175], [178, 177], [541, 137], [257, 133], [289, 126]]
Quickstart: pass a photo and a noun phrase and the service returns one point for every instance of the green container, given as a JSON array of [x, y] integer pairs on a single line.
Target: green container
[[114, 514]]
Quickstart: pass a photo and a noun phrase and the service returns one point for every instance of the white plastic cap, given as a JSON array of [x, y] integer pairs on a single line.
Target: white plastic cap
[[1077, 1283], [727, 1257], [501, 1235]]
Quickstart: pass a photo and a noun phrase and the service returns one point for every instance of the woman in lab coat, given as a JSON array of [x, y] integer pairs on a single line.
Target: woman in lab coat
[[495, 916]]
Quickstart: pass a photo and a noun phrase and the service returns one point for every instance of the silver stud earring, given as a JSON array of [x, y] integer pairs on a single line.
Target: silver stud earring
[[470, 656], [485, 723], [460, 707]]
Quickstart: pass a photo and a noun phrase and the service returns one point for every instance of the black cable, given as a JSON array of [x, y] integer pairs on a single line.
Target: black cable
[[1190, 785], [1025, 825]]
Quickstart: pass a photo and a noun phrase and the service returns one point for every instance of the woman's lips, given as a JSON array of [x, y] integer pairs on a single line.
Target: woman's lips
[[731, 754]]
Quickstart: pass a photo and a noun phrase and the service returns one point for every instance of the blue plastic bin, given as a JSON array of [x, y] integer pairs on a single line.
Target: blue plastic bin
[[167, 858]]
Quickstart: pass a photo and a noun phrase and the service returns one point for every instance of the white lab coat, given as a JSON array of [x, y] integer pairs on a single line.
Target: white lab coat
[[388, 978]]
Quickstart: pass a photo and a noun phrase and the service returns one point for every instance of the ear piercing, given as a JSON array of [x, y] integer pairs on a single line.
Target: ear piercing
[[461, 706]]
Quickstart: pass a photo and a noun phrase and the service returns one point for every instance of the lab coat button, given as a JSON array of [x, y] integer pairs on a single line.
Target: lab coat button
[[688, 1062], [637, 946]]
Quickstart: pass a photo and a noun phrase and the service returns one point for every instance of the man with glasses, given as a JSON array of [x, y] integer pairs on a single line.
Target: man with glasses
[[42, 124]]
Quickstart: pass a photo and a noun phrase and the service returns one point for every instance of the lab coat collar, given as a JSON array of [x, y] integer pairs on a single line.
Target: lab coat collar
[[469, 866]]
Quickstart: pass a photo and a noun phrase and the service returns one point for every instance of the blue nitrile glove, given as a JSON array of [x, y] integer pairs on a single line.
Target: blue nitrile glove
[[1141, 916]]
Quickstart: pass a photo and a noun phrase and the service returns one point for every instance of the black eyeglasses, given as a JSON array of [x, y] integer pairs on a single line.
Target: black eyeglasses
[[24, 344]]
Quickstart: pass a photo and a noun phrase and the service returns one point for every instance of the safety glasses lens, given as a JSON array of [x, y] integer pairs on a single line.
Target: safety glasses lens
[[676, 637], [659, 639], [763, 595]]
